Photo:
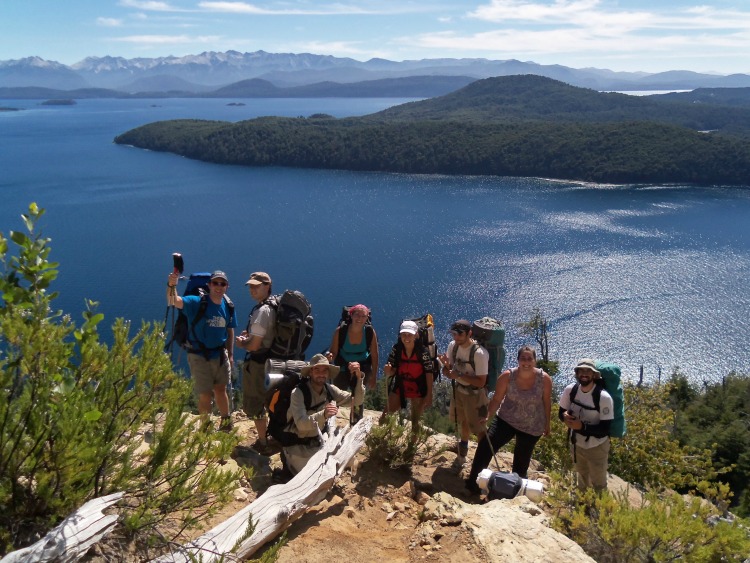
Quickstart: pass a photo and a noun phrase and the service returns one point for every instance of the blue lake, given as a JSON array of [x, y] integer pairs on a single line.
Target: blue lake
[[642, 275]]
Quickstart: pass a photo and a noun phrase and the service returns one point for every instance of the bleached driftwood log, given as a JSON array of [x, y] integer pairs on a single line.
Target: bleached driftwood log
[[276, 509], [73, 537]]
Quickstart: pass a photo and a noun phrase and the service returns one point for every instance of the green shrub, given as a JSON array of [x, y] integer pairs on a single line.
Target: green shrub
[[80, 419], [396, 444], [664, 527]]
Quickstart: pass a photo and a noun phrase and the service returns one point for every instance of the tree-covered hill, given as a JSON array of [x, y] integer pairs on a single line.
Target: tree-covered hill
[[531, 97], [510, 126]]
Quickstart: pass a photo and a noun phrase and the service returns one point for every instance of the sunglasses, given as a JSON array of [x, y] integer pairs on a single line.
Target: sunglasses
[[219, 283]]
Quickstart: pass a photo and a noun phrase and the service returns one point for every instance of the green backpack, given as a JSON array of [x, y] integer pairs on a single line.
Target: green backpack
[[612, 384]]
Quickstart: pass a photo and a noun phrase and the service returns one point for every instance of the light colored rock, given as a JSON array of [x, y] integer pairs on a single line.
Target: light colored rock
[[421, 497], [509, 531], [240, 495]]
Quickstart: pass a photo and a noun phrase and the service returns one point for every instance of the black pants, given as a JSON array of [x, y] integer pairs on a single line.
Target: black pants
[[500, 433]]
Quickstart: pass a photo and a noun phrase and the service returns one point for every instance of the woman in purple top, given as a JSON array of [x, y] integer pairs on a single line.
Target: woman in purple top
[[523, 396]]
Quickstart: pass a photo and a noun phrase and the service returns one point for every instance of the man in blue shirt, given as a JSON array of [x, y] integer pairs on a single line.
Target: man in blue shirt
[[212, 341]]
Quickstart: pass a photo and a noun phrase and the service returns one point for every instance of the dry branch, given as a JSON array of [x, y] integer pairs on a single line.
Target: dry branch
[[73, 537]]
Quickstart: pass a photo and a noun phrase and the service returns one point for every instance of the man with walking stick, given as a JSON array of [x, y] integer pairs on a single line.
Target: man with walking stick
[[466, 364]]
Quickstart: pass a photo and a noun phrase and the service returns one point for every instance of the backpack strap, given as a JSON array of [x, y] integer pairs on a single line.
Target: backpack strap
[[474, 347], [305, 389]]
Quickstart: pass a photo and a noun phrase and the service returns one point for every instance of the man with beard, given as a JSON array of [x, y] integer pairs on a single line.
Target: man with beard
[[587, 410]]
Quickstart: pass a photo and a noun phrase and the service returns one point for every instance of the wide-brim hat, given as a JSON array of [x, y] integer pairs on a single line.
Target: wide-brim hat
[[319, 360], [587, 363]]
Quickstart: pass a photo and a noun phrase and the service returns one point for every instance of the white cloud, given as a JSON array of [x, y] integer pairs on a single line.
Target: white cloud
[[149, 5], [546, 29], [167, 39], [108, 22], [306, 10], [598, 15]]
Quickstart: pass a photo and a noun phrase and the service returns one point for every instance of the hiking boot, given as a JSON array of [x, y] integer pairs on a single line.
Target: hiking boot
[[463, 450], [281, 476], [225, 425], [472, 487], [264, 448]]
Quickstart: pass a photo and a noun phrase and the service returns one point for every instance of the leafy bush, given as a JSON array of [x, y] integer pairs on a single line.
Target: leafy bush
[[80, 419], [665, 527], [395, 444]]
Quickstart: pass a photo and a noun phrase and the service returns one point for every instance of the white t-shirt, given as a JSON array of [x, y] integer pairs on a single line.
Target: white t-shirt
[[462, 365], [590, 416]]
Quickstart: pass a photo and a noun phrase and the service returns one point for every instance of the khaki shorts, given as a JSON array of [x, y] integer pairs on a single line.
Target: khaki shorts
[[254, 389], [470, 405], [208, 373]]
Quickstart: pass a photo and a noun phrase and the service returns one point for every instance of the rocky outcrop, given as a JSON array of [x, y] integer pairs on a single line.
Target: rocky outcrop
[[512, 531]]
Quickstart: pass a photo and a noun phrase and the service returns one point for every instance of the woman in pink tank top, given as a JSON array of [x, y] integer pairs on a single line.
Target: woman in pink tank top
[[523, 396]]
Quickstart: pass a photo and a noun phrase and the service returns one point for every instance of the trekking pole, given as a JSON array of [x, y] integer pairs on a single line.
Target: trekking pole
[[489, 442], [455, 419], [178, 267]]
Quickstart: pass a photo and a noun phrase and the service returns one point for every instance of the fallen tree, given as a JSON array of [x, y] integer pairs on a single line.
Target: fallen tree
[[276, 509]]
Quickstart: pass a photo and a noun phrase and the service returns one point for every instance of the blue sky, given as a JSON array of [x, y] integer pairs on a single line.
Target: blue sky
[[630, 35]]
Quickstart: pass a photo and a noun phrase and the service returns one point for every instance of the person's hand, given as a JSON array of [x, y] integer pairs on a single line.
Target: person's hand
[[331, 409], [388, 369], [572, 422], [329, 356], [547, 429], [242, 339], [173, 278], [354, 369]]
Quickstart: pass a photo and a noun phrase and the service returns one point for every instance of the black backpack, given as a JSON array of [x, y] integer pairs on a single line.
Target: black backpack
[[197, 284], [292, 329], [426, 337], [294, 326], [343, 328], [278, 406]]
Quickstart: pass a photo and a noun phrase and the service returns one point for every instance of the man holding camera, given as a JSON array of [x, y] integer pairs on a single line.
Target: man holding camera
[[211, 339], [256, 340], [588, 418]]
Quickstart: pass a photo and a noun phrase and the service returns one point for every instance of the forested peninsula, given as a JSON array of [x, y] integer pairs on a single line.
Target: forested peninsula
[[506, 126]]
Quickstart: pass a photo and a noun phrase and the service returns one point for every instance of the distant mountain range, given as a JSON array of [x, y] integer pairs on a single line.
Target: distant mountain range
[[210, 71]]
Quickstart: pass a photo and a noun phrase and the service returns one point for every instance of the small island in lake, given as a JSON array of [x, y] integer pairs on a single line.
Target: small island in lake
[[235, 104], [4, 108], [527, 126], [61, 102]]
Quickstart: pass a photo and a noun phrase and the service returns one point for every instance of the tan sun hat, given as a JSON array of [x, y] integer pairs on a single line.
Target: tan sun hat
[[587, 363], [316, 360]]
